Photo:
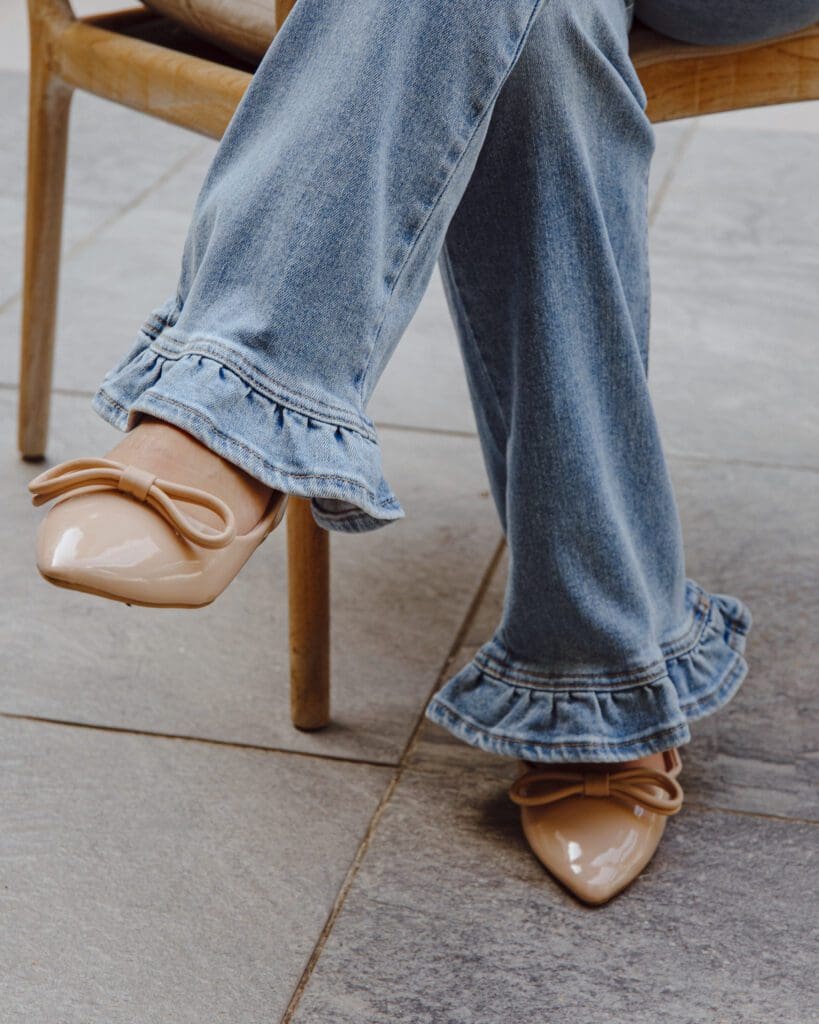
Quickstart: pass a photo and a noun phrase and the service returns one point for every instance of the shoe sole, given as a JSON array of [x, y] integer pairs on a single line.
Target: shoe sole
[[113, 597]]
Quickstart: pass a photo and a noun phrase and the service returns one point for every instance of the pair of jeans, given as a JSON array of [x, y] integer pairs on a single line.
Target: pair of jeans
[[509, 142]]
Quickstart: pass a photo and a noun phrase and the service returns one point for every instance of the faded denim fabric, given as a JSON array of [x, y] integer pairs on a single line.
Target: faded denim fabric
[[508, 141]]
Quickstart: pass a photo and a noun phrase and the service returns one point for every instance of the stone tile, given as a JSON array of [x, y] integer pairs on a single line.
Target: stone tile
[[114, 276], [107, 289], [753, 532], [179, 188], [451, 919], [733, 368], [736, 191], [785, 117], [155, 880], [756, 754], [671, 139], [13, 36], [81, 220], [399, 597], [424, 383], [488, 613], [114, 153]]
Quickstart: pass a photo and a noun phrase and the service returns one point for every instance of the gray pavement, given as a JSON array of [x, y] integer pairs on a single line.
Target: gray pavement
[[171, 850]]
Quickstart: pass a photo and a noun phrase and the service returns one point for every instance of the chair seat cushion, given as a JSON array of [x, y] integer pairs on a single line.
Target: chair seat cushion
[[243, 27]]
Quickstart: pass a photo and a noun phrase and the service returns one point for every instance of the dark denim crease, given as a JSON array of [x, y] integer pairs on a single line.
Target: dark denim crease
[[509, 143]]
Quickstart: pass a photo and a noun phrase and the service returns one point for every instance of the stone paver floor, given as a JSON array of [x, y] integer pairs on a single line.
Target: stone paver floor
[[171, 850]]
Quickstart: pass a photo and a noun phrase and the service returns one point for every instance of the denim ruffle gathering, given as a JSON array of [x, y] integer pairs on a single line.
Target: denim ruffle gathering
[[508, 708], [206, 389], [331, 455]]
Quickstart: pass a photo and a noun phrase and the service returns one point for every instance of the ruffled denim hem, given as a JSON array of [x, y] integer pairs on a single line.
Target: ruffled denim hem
[[508, 708], [295, 447]]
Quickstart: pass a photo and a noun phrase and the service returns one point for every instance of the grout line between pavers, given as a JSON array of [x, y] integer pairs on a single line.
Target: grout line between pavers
[[414, 428], [695, 805], [6, 385], [665, 184], [753, 463], [205, 740], [670, 453], [410, 428], [375, 820]]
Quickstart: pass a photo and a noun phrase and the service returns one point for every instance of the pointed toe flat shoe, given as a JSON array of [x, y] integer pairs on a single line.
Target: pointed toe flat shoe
[[119, 532], [595, 830]]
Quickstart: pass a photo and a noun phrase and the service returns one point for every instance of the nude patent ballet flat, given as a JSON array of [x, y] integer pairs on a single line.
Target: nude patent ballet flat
[[117, 531], [593, 829]]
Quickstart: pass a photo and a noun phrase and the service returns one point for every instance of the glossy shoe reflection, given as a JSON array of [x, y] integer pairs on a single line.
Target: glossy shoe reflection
[[596, 829], [119, 532]]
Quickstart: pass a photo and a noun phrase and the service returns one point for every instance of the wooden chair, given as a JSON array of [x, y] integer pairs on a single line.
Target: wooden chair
[[150, 63]]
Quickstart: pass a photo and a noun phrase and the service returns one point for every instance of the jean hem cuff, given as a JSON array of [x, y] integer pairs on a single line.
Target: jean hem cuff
[[311, 456], [571, 721]]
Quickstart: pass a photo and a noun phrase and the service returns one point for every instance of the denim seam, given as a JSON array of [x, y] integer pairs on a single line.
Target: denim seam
[[504, 670], [266, 386], [505, 673], [644, 244], [734, 674], [574, 744], [197, 414], [483, 112]]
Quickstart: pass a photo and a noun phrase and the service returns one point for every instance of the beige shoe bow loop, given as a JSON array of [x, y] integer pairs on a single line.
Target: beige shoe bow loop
[[548, 785], [83, 476]]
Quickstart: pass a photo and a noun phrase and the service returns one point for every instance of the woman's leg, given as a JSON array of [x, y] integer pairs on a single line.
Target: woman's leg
[[297, 148], [606, 651], [313, 239]]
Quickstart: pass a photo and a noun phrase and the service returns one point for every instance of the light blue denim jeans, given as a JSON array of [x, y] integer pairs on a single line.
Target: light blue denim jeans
[[508, 140]]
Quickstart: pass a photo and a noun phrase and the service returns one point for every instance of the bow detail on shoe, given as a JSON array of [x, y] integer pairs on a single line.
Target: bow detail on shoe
[[84, 476], [546, 785]]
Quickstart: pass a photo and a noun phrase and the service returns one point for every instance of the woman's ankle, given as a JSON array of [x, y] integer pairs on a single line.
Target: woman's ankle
[[173, 454]]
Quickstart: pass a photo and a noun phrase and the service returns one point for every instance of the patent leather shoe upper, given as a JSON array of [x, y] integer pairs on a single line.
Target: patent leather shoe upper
[[596, 829], [119, 532]]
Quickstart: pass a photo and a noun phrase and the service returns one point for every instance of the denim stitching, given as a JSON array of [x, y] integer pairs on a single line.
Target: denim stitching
[[439, 706], [504, 669], [255, 379], [720, 693], [734, 674], [506, 673], [196, 414]]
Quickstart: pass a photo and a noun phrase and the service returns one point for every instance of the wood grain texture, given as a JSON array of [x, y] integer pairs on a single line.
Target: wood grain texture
[[308, 576], [185, 90], [49, 102], [245, 28], [686, 81]]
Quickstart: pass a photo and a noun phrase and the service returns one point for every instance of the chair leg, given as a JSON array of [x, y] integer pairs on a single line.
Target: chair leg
[[308, 573], [49, 102]]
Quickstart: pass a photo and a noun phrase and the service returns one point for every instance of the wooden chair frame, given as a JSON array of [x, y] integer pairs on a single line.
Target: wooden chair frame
[[143, 61]]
